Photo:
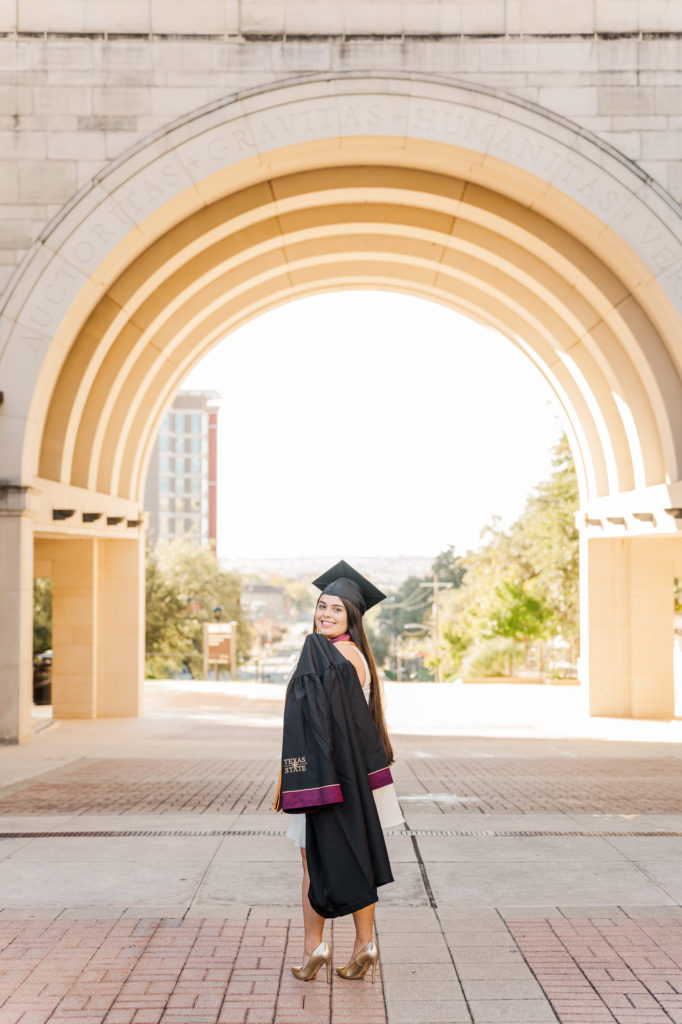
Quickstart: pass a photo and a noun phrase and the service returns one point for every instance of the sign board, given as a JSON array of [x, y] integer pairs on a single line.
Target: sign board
[[220, 647]]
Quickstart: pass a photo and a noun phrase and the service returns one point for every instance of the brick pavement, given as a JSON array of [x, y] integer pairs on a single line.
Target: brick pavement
[[171, 971], [605, 785], [145, 786], [608, 968], [444, 785], [205, 960]]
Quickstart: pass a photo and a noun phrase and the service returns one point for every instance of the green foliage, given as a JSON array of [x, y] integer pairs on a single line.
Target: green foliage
[[412, 601], [411, 605], [449, 567], [494, 657], [545, 543], [379, 642], [456, 646], [42, 615], [521, 584], [518, 615], [184, 582], [408, 604]]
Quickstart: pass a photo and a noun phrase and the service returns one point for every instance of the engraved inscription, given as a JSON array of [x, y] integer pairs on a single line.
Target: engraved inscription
[[282, 126], [522, 142], [111, 225], [147, 191], [56, 293], [648, 235], [470, 128], [36, 343], [129, 204]]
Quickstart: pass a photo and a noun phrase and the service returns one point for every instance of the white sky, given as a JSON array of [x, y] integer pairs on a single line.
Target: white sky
[[372, 423]]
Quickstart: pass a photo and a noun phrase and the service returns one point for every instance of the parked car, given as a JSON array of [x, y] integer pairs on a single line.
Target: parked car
[[42, 678]]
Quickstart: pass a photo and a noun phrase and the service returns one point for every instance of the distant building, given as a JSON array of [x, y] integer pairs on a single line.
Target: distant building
[[260, 600], [181, 490]]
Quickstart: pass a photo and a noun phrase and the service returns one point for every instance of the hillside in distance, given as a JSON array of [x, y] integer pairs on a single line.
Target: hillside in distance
[[385, 571]]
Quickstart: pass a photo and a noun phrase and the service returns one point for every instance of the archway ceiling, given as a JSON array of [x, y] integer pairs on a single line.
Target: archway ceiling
[[400, 228]]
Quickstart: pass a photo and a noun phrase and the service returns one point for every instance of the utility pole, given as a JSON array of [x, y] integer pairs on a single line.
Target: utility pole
[[436, 629], [396, 641], [435, 608]]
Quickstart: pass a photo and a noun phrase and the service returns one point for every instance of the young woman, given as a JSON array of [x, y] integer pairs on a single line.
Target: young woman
[[336, 779]]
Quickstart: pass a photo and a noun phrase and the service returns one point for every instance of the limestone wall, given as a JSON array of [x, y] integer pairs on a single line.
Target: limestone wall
[[74, 94], [349, 17]]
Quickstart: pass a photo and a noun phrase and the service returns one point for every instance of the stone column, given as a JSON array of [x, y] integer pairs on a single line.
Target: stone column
[[627, 625], [16, 614], [97, 624], [120, 627], [73, 566]]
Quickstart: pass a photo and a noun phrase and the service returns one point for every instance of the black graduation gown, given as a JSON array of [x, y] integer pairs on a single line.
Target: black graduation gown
[[332, 759]]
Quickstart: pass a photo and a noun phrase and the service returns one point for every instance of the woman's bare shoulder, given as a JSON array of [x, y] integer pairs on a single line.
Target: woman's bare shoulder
[[351, 653]]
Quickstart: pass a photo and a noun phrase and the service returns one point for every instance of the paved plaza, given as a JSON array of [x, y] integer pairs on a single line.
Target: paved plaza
[[144, 878]]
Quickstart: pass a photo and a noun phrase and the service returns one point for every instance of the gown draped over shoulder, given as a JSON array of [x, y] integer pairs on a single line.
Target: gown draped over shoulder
[[385, 798]]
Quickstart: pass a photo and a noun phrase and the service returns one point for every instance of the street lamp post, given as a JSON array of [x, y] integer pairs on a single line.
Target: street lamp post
[[233, 649], [217, 617], [437, 586], [411, 628]]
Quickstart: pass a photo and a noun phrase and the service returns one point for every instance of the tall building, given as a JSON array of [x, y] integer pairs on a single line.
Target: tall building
[[181, 491]]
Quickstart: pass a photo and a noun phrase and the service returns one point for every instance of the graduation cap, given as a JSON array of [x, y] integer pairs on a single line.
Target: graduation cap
[[342, 580]]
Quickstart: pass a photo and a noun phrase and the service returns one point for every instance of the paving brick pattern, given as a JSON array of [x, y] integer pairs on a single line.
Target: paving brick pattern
[[445, 965], [600, 970], [171, 971], [606, 969], [146, 786], [449, 785], [537, 785]]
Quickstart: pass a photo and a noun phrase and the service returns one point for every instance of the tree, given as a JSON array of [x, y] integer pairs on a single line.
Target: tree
[[449, 567], [412, 603], [379, 642], [42, 615], [457, 645], [184, 583], [545, 541], [407, 604], [519, 616], [522, 583]]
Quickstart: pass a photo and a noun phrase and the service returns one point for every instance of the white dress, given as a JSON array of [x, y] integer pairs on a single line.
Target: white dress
[[385, 798]]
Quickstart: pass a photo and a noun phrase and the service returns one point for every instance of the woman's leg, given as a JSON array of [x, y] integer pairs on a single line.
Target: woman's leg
[[364, 923], [313, 924]]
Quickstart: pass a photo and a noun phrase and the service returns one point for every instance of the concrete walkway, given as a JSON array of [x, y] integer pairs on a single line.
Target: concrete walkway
[[143, 877]]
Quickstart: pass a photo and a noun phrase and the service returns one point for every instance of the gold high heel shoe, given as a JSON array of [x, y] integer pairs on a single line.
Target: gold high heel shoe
[[366, 958], [321, 955]]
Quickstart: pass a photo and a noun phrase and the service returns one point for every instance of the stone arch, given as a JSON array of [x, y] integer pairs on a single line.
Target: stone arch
[[457, 194]]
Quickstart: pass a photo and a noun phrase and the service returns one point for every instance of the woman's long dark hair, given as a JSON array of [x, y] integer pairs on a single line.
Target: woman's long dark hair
[[376, 707]]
